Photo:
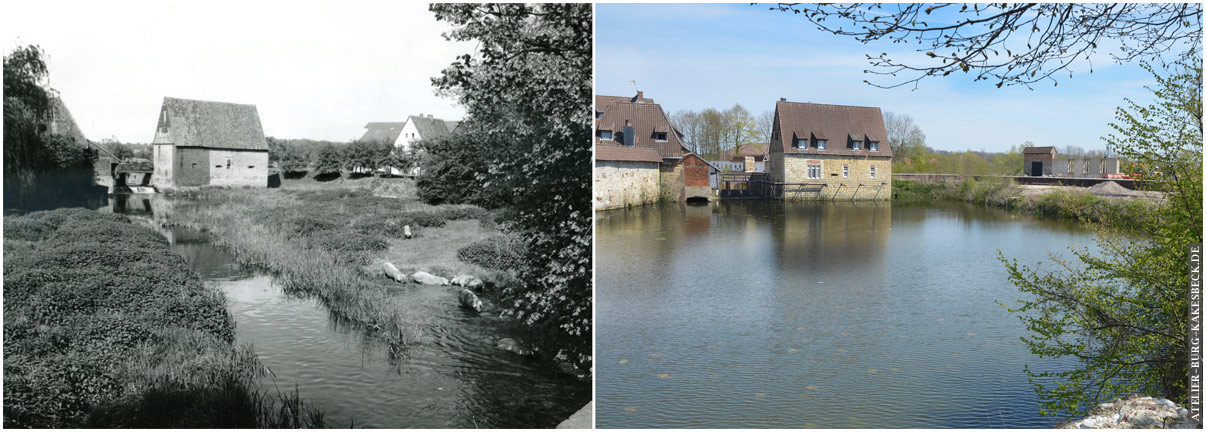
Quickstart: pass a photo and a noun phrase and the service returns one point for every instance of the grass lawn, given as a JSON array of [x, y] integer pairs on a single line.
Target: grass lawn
[[329, 239]]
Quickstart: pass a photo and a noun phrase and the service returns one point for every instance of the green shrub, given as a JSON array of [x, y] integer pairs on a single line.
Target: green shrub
[[502, 252]]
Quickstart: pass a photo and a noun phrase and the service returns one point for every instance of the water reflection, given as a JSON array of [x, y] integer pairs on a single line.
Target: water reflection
[[763, 314]]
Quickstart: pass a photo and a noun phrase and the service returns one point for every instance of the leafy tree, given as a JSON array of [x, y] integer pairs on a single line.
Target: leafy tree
[[454, 171], [1009, 43], [1122, 313], [329, 160], [41, 169], [528, 90], [366, 155]]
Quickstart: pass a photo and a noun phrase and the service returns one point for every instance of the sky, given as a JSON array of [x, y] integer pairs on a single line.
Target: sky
[[314, 69], [697, 56]]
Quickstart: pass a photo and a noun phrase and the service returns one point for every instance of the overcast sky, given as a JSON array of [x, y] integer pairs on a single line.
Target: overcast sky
[[692, 56], [314, 69]]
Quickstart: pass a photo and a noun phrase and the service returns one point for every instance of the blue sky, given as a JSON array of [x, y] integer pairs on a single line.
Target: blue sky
[[695, 56]]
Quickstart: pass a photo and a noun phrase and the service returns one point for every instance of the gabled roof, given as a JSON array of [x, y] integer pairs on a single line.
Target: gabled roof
[[837, 124], [382, 131], [429, 127], [602, 101], [1039, 150], [645, 119], [619, 153], [62, 123], [194, 123]]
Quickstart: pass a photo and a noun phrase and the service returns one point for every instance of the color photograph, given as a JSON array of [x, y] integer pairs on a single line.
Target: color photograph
[[883, 216]]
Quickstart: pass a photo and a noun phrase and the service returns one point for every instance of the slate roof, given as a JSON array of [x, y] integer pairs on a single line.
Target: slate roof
[[430, 127], [837, 124], [62, 123], [194, 123], [610, 152], [645, 119], [1039, 150], [382, 131]]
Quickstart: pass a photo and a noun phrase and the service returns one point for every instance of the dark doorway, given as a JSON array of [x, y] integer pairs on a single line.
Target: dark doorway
[[1036, 169]]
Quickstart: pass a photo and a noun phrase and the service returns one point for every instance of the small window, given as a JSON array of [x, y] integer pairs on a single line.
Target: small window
[[845, 171], [217, 166], [605, 134], [227, 163], [873, 146], [659, 136], [872, 171], [802, 143], [814, 171], [194, 164], [857, 145], [821, 144], [251, 166]]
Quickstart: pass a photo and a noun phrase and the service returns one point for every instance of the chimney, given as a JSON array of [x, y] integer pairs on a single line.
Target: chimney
[[640, 97], [782, 99]]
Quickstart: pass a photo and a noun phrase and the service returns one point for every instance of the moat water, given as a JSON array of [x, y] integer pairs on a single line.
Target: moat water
[[829, 315]]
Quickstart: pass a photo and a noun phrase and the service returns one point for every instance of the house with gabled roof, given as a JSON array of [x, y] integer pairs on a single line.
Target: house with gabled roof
[[382, 132], [634, 142], [203, 143], [840, 150], [421, 127]]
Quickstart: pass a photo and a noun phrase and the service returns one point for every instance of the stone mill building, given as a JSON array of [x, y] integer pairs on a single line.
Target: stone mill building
[[201, 143], [842, 150]]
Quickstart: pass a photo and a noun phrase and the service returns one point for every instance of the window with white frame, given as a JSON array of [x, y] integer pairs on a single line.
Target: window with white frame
[[873, 146], [659, 136], [605, 134], [814, 171], [872, 171], [845, 171], [802, 143], [821, 144], [857, 145]]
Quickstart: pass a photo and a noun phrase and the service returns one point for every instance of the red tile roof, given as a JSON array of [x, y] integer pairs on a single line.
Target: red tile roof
[[646, 119], [1039, 150], [608, 152], [838, 124]]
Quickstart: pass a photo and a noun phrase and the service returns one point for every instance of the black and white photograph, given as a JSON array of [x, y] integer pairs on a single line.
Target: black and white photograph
[[310, 214]]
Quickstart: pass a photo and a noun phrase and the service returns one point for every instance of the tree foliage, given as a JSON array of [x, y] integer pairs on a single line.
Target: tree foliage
[[1122, 312], [527, 90], [41, 169], [1008, 43]]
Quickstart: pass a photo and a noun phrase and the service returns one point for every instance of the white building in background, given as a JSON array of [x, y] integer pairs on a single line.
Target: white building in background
[[422, 127]]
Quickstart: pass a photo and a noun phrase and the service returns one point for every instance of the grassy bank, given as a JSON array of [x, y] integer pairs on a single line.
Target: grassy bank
[[105, 327], [328, 240], [1005, 193]]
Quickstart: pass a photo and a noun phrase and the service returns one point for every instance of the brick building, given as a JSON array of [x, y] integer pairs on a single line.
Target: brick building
[[1037, 161], [844, 148], [200, 143]]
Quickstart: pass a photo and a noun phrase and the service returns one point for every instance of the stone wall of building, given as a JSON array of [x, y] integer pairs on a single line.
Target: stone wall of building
[[163, 157], [238, 168], [192, 167], [623, 184], [845, 184], [672, 181]]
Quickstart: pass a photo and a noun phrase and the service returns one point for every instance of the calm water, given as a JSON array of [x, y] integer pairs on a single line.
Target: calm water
[[754, 314], [455, 379]]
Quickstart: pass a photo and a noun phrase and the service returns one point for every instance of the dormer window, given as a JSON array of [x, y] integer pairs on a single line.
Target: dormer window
[[801, 143], [856, 145], [821, 144], [659, 136], [605, 134], [873, 146], [598, 114]]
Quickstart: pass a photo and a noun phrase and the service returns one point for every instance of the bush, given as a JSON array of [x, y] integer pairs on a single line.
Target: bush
[[503, 252]]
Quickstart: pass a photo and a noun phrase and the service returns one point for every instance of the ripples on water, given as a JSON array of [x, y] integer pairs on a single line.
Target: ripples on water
[[456, 378], [757, 314]]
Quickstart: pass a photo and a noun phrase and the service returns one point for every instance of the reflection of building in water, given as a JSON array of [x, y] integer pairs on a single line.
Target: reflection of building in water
[[847, 236]]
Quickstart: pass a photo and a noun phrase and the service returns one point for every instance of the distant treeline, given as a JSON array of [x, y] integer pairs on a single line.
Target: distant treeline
[[300, 156]]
